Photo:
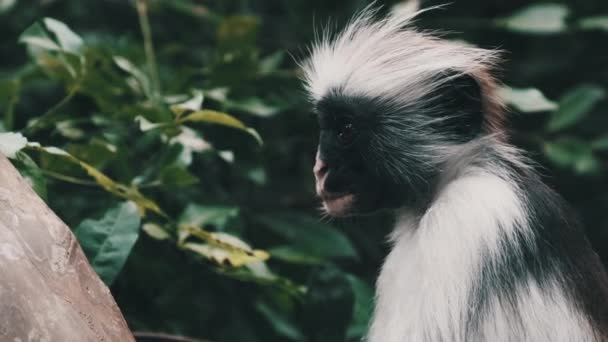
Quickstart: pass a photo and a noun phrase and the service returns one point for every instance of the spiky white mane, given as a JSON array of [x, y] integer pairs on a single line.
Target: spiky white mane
[[387, 59]]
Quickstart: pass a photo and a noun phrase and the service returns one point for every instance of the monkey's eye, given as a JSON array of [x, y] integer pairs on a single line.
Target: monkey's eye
[[347, 133]]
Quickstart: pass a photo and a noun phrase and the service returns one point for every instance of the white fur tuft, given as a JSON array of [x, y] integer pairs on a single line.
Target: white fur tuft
[[387, 59]]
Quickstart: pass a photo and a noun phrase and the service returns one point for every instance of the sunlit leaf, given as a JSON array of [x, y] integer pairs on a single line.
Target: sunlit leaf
[[405, 8], [219, 118], [155, 231], [544, 18], [67, 39], [574, 106], [107, 242], [142, 84], [526, 100], [11, 143], [6, 5], [221, 248], [37, 36], [191, 105]]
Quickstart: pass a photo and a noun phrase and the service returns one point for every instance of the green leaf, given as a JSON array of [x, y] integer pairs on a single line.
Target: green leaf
[[216, 216], [220, 248], [574, 106], [600, 143], [271, 62], [526, 100], [67, 39], [253, 105], [155, 231], [11, 143], [279, 322], [363, 308], [219, 118], [191, 105], [572, 153], [330, 298], [32, 173], [546, 18], [6, 5], [107, 242], [594, 23], [292, 255], [108, 184], [37, 36], [307, 234], [142, 84], [179, 176]]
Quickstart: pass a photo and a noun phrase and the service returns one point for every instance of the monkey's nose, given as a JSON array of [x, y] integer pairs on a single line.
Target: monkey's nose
[[320, 169]]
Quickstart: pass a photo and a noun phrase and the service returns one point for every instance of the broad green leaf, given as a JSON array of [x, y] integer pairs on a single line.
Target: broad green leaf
[[281, 324], [544, 18], [11, 143], [155, 231], [330, 298], [363, 308], [271, 62], [176, 175], [600, 143], [309, 235], [526, 100], [37, 36], [215, 216], [292, 255], [574, 106], [253, 105], [219, 118], [67, 39], [142, 82], [32, 173], [107, 242], [594, 23], [572, 153]]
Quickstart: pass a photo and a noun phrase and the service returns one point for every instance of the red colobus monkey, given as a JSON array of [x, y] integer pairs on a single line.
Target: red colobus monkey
[[482, 249]]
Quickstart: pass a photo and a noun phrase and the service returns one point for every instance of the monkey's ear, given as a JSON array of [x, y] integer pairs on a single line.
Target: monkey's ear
[[460, 99]]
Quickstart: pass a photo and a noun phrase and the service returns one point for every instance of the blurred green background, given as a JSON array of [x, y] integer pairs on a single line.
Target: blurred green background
[[154, 108]]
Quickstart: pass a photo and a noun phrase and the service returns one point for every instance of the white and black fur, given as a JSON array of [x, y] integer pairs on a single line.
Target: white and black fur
[[482, 249]]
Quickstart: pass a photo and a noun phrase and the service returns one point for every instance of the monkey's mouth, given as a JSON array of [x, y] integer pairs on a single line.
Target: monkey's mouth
[[337, 204]]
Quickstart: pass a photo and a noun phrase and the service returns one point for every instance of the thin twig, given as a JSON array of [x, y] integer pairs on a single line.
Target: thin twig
[[144, 24], [42, 120], [166, 337], [68, 179]]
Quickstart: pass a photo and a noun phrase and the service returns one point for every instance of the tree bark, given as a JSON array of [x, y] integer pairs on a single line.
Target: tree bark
[[48, 290]]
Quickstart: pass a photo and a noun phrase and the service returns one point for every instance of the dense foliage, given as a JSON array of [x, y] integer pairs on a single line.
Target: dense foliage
[[174, 137]]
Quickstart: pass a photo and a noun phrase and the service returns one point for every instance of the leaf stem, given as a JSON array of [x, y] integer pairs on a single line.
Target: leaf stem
[[144, 24], [48, 115], [69, 179]]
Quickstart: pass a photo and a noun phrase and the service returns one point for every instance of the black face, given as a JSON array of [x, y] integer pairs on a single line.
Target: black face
[[375, 155]]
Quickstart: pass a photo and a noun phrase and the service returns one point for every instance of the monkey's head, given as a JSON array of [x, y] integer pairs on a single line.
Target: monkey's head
[[392, 105]]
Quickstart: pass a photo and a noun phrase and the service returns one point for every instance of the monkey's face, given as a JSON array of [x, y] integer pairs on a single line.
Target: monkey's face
[[375, 154]]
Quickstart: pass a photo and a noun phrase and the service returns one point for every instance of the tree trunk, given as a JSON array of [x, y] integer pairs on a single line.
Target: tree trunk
[[48, 290]]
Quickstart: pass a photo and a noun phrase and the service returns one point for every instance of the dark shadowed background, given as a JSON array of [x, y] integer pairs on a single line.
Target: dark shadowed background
[[159, 102]]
